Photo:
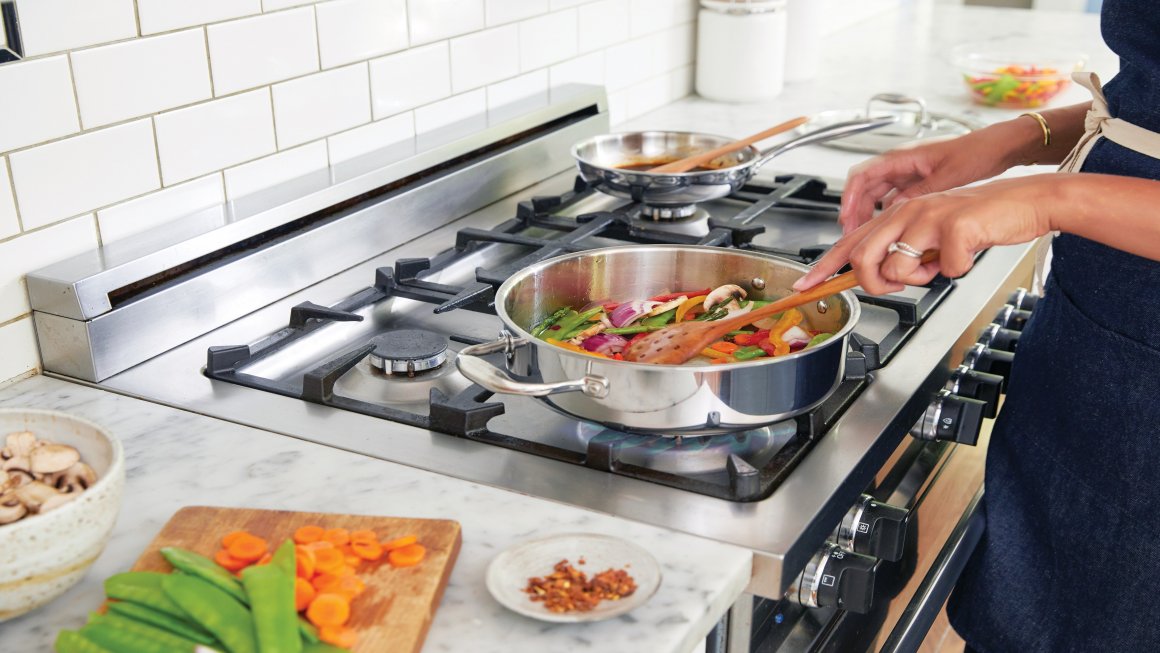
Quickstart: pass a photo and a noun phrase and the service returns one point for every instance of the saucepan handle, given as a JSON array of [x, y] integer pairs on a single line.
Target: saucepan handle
[[492, 378], [824, 134]]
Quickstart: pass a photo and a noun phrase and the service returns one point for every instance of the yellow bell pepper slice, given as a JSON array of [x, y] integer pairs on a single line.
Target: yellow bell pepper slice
[[688, 305], [713, 353], [788, 319], [576, 348]]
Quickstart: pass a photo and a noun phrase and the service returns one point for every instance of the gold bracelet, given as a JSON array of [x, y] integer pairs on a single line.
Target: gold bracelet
[[1043, 124]]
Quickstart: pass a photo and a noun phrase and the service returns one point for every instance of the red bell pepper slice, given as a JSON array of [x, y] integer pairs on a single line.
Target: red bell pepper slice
[[668, 297]]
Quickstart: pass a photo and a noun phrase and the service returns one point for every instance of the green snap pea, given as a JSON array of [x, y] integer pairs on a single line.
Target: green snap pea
[[747, 353], [215, 610], [202, 567], [285, 558], [271, 592], [819, 339], [661, 319], [141, 588], [630, 330], [161, 620], [322, 647], [549, 321], [125, 635], [308, 631], [740, 332], [70, 641]]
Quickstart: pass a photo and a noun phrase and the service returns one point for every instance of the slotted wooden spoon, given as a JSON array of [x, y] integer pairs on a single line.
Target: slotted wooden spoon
[[688, 163], [678, 343]]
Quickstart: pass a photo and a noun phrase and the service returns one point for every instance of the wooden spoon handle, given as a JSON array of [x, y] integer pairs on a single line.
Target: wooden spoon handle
[[688, 163]]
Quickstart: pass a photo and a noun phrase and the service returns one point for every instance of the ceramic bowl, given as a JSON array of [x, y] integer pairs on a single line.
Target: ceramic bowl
[[41, 556]]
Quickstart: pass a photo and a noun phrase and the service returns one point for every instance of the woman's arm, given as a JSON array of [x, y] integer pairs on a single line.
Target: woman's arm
[[1067, 126], [1120, 212]]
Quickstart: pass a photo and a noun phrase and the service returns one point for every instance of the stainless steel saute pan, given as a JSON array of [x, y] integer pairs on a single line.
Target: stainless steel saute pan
[[667, 399], [618, 164]]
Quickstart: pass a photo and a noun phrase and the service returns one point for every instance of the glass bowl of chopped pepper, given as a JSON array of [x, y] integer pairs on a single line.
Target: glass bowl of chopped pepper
[[1015, 75]]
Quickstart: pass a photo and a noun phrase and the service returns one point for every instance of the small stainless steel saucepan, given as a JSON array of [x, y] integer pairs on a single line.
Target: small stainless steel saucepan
[[610, 163]]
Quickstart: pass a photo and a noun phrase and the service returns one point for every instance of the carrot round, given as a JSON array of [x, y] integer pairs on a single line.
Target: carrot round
[[337, 536], [304, 560], [320, 544], [406, 556], [325, 583], [349, 586], [367, 550], [231, 536], [340, 636], [304, 593], [400, 543], [328, 560], [308, 534], [228, 562], [363, 535], [248, 547], [328, 610]]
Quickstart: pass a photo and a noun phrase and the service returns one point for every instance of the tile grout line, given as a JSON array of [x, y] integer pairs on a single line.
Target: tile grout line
[[273, 118], [72, 79], [209, 66], [22, 316], [12, 189]]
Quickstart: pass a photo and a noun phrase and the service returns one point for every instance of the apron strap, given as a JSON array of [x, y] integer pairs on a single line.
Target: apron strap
[[1099, 122]]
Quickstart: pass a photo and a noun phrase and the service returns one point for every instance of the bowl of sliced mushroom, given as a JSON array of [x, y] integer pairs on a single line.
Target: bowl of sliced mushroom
[[60, 491]]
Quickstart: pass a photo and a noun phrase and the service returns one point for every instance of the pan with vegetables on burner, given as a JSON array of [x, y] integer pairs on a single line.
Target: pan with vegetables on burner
[[569, 321]]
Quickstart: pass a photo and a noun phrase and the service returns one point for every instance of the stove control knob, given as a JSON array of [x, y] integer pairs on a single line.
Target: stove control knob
[[1023, 299], [836, 578], [874, 529], [992, 361], [966, 382], [1010, 317], [996, 337], [950, 417]]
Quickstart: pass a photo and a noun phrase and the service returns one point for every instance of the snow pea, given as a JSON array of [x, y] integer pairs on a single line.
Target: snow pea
[[215, 610], [660, 320], [549, 321], [285, 559], [630, 330], [819, 339], [747, 353], [147, 615], [125, 635], [202, 567], [142, 588], [70, 641], [271, 592]]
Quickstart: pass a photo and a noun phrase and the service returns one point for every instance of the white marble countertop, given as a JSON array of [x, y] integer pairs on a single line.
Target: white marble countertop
[[175, 459]]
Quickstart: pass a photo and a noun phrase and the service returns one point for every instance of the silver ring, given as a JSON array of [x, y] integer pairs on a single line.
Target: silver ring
[[904, 249]]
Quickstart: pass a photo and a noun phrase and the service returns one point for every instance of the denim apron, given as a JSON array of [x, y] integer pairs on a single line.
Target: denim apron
[[1070, 560]]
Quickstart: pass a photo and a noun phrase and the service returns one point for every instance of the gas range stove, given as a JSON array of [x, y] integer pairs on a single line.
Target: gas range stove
[[336, 318]]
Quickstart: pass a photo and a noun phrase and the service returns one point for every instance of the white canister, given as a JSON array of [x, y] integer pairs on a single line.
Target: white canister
[[741, 49], [804, 39]]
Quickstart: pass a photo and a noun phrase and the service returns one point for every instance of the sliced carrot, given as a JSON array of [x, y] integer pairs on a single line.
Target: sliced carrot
[[412, 554], [304, 593], [265, 559], [325, 583], [367, 550], [340, 636], [320, 544], [337, 536], [352, 561], [231, 536], [328, 610], [248, 547], [227, 561], [349, 586], [344, 570], [304, 560], [364, 535], [328, 560], [308, 534], [400, 543]]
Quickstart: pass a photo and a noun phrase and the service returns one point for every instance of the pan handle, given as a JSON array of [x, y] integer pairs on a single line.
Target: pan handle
[[492, 378], [824, 134]]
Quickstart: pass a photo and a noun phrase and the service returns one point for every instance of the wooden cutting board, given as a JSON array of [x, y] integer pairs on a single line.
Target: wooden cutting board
[[394, 612]]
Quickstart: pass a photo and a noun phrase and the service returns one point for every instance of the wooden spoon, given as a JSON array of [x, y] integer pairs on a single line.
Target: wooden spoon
[[678, 343], [688, 163]]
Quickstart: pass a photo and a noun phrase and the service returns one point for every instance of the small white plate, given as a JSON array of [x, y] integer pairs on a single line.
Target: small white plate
[[508, 573]]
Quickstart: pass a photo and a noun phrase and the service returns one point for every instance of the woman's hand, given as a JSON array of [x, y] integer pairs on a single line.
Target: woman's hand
[[908, 173], [958, 223]]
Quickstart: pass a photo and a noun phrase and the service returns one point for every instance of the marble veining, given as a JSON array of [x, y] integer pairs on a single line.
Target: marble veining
[[174, 459]]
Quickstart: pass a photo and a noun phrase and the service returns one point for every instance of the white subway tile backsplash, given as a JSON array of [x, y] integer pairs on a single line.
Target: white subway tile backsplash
[[410, 79], [484, 57], [81, 173], [648, 95], [142, 76], [257, 51], [627, 64], [618, 107], [155, 209], [164, 15], [34, 250], [588, 69], [517, 96], [507, 11], [433, 20], [547, 39], [368, 139], [18, 342], [55, 25], [602, 24], [680, 45], [274, 5], [321, 104], [648, 16], [9, 225], [562, 4], [456, 116], [206, 137], [353, 30], [39, 103], [278, 179]]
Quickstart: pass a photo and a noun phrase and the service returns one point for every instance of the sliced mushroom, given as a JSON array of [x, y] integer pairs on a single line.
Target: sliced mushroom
[[74, 479], [53, 458], [11, 509], [723, 294], [35, 494], [57, 501], [18, 477]]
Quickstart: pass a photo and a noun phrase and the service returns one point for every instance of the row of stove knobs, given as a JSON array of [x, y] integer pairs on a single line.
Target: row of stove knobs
[[972, 393], [841, 574]]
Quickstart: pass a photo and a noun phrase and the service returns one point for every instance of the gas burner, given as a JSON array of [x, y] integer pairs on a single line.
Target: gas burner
[[662, 213], [367, 382], [408, 351], [693, 454]]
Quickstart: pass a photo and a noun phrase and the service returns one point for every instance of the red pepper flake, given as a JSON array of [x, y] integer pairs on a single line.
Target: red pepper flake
[[567, 589]]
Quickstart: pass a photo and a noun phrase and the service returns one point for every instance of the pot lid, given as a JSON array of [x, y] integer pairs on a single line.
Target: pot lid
[[913, 123]]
